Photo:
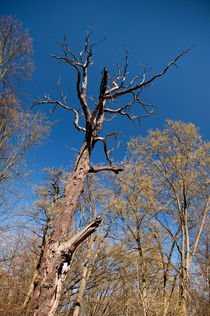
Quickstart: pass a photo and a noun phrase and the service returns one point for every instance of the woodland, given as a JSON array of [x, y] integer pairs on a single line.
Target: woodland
[[121, 239]]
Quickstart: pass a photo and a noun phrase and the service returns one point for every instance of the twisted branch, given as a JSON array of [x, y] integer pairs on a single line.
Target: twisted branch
[[63, 105]]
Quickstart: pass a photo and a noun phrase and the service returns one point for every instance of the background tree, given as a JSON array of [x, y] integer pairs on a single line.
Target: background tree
[[17, 266], [146, 241], [43, 214], [178, 160], [20, 128], [201, 288], [18, 270], [15, 52], [132, 203]]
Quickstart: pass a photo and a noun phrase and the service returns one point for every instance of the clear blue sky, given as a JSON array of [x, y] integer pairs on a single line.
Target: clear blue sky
[[154, 31]]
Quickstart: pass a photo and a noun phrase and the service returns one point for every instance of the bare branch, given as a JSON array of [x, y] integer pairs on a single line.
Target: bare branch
[[63, 105], [120, 78], [87, 49], [125, 110], [100, 106], [200, 230], [104, 140], [77, 239], [81, 68], [109, 94], [114, 82], [133, 90], [105, 168]]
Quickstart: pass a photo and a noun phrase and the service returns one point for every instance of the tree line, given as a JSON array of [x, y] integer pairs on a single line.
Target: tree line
[[126, 239]]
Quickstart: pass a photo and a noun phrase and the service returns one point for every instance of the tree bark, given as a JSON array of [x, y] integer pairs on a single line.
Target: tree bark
[[72, 193], [56, 259]]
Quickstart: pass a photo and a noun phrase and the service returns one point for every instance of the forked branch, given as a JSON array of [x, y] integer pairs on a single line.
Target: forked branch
[[64, 105], [144, 83]]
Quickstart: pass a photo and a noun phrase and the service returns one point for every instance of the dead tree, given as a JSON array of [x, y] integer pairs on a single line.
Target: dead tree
[[55, 261]]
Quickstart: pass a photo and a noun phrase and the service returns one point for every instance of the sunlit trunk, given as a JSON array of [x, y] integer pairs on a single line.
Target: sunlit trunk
[[85, 277], [54, 266]]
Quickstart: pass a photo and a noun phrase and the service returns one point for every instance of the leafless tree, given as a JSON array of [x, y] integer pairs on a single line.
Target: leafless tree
[[178, 161], [60, 246], [20, 128], [15, 51]]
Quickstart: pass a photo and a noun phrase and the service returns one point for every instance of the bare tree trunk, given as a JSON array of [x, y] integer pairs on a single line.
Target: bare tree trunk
[[184, 274], [165, 306], [183, 294], [59, 248], [166, 296], [31, 287], [81, 289]]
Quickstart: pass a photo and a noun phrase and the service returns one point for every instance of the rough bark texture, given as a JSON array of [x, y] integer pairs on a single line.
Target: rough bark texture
[[54, 267], [73, 190], [54, 263]]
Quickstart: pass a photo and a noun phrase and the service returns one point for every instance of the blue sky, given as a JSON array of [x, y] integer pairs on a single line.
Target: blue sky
[[154, 33]]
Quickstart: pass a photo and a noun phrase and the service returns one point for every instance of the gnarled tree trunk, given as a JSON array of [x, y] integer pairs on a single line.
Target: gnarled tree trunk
[[55, 261]]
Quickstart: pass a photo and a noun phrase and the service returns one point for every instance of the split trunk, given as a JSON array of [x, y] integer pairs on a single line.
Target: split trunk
[[55, 260]]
